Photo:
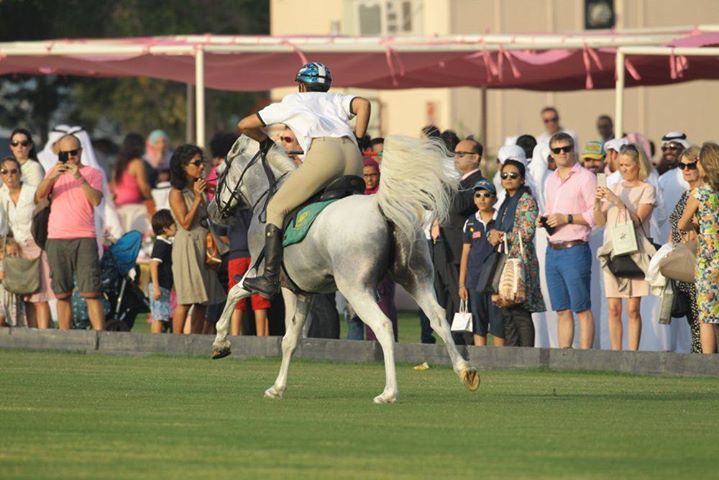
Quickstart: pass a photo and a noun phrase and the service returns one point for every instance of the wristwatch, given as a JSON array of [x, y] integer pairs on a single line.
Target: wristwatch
[[570, 218]]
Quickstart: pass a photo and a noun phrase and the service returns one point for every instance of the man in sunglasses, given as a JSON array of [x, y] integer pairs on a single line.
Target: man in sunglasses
[[550, 119], [569, 216], [74, 191], [671, 183], [447, 247], [673, 145]]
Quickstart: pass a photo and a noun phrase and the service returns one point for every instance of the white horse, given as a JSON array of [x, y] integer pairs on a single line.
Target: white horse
[[352, 245]]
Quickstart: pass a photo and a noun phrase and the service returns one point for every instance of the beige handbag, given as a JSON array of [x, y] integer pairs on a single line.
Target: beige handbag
[[680, 263], [512, 286], [624, 237]]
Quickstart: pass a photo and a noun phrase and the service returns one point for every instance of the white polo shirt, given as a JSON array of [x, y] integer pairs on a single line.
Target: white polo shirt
[[312, 115]]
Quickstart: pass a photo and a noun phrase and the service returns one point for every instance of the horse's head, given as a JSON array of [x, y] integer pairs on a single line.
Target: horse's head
[[243, 179]]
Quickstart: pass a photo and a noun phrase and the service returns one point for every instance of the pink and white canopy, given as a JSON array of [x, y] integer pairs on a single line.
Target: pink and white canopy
[[533, 62]]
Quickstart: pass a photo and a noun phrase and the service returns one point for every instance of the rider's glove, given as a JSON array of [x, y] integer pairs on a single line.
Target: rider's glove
[[266, 145]]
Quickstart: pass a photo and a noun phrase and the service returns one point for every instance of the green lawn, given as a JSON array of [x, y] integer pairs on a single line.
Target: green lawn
[[93, 416]]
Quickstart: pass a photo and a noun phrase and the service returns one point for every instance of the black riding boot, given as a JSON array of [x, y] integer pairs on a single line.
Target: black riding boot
[[268, 284]]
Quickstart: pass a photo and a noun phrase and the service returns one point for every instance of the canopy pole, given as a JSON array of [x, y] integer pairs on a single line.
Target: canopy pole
[[483, 116], [200, 96], [619, 95]]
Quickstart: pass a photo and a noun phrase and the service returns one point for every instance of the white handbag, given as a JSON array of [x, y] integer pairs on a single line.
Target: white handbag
[[624, 238], [462, 321]]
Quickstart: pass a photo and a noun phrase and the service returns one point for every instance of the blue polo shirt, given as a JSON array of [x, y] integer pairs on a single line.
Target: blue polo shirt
[[475, 234]]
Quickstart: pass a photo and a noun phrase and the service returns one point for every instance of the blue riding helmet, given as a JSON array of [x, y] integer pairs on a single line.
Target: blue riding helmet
[[315, 75]]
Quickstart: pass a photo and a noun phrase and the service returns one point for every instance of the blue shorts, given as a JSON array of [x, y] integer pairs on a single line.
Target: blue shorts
[[160, 309], [485, 314], [569, 275]]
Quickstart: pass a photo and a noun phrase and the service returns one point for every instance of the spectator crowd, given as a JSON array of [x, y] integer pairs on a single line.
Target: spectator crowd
[[560, 227]]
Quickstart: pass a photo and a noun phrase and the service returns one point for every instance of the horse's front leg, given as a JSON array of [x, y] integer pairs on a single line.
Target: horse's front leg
[[221, 346], [296, 308]]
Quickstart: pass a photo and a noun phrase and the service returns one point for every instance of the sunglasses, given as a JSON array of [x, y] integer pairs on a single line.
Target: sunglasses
[[287, 139], [687, 166], [196, 163], [464, 154], [564, 149], [23, 143], [512, 175], [666, 148], [551, 120], [14, 171], [484, 195], [63, 156]]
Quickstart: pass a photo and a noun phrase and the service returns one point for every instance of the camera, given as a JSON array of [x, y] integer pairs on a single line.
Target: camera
[[545, 225]]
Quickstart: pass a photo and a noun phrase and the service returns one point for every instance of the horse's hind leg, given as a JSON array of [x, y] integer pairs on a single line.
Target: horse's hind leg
[[365, 305], [221, 346], [417, 280], [296, 307]]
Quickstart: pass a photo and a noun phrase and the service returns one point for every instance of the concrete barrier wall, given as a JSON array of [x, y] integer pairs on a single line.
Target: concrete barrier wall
[[120, 343]]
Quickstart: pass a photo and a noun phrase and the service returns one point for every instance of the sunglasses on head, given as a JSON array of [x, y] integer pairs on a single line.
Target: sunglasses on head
[[564, 149], [23, 143], [512, 175], [464, 154], [63, 156], [11, 171], [551, 120], [687, 166], [483, 195]]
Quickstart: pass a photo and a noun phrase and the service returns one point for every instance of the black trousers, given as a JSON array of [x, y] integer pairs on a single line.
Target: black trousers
[[518, 327], [323, 317]]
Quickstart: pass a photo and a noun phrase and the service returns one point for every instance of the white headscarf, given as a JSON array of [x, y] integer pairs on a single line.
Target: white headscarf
[[48, 159]]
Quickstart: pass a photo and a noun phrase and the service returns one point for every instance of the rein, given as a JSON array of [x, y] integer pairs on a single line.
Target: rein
[[235, 194]]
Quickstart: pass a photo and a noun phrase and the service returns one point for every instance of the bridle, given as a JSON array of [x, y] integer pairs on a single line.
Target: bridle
[[227, 211]]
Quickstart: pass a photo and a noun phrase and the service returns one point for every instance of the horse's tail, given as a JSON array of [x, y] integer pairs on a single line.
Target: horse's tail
[[418, 176]]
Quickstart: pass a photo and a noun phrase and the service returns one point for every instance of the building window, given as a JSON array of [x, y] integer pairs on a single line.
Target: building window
[[388, 17]]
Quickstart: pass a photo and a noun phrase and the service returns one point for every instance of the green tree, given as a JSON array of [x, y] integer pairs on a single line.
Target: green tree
[[131, 104]]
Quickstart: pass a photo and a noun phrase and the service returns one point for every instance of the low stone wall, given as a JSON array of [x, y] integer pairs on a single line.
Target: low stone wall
[[652, 363]]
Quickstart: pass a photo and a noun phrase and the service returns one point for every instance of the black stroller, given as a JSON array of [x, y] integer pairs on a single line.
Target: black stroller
[[123, 299]]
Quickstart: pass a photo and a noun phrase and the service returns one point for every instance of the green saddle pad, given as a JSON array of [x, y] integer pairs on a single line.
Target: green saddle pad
[[298, 227]]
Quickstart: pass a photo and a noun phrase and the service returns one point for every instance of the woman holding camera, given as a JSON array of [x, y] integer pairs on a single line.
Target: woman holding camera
[[631, 200]]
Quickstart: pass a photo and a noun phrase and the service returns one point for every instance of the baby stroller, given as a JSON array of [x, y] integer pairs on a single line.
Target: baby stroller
[[123, 299]]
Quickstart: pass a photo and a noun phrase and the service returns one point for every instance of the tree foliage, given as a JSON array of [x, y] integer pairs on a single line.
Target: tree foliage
[[123, 104]]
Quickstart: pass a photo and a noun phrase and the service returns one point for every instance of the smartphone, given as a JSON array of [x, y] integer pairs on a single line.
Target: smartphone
[[602, 180], [63, 157]]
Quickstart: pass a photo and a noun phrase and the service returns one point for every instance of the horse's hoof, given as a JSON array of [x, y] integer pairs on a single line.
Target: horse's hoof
[[273, 393], [218, 353], [384, 399], [470, 378]]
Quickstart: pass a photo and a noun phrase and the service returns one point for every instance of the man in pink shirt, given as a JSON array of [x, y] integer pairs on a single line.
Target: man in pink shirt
[[74, 190], [569, 193]]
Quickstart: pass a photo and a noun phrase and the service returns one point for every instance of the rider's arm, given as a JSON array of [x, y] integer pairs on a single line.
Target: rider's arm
[[252, 126], [361, 108]]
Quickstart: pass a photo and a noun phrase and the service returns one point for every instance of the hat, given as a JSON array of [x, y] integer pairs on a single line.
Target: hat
[[676, 137], [512, 152], [593, 149], [485, 184], [615, 144]]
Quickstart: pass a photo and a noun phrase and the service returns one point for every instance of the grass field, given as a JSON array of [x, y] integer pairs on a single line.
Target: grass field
[[80, 416]]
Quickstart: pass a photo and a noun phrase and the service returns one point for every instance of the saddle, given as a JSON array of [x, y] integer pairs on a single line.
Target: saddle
[[338, 188], [298, 222]]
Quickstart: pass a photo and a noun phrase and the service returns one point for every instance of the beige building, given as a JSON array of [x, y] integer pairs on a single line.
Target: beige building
[[650, 110]]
